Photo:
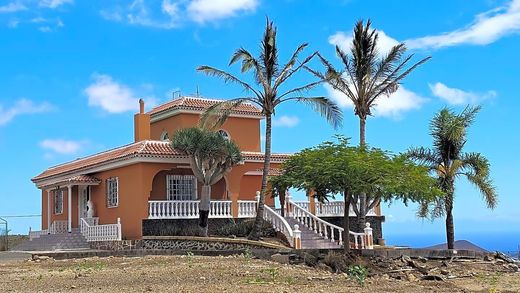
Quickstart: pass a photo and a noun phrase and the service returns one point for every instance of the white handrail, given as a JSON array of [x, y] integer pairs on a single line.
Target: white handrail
[[279, 224], [322, 227], [109, 232]]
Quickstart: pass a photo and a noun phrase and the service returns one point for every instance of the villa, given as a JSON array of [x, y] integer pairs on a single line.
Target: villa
[[131, 191]]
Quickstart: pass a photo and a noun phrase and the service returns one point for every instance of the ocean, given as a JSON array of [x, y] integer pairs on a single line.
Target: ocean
[[506, 242]]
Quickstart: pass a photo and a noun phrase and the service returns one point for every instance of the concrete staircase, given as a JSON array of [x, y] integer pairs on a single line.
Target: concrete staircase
[[73, 240], [311, 239]]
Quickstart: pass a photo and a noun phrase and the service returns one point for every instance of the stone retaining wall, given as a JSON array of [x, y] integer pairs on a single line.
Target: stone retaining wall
[[183, 244]]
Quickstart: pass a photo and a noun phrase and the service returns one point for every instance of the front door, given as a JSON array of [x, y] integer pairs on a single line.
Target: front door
[[84, 196]]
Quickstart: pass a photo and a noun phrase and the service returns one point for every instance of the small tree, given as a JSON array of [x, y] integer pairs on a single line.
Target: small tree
[[211, 157], [448, 161], [337, 168]]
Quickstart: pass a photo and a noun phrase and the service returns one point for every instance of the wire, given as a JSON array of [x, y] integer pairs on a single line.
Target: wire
[[21, 216]]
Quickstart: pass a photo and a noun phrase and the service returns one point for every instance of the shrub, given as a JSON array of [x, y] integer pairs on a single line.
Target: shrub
[[336, 262], [358, 273]]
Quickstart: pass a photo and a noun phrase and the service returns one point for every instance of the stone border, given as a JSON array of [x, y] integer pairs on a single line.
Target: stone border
[[185, 243]]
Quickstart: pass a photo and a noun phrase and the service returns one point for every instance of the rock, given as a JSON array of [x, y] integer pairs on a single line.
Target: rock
[[513, 267], [422, 259], [488, 258], [432, 278], [406, 259], [280, 258], [445, 272], [411, 277], [73, 287]]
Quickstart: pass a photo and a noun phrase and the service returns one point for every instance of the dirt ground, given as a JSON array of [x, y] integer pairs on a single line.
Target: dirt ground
[[232, 274]]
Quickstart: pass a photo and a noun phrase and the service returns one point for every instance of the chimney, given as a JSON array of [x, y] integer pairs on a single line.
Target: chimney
[[141, 124]]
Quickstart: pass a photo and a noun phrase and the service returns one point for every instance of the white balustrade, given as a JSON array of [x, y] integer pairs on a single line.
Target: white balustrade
[[59, 227], [37, 234], [220, 209], [109, 232], [324, 228], [189, 209], [246, 208], [280, 224], [331, 209]]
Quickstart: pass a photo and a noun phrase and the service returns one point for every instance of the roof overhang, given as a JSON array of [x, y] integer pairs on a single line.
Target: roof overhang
[[172, 112]]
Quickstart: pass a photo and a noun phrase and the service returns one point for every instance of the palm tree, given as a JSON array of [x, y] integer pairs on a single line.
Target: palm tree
[[449, 162], [267, 92], [211, 157], [366, 77]]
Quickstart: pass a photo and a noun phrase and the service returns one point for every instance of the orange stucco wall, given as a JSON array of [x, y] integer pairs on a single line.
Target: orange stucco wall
[[244, 131]]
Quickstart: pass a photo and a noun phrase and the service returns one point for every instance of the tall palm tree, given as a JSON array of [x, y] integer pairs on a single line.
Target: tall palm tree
[[211, 157], [268, 92], [367, 77], [449, 162]]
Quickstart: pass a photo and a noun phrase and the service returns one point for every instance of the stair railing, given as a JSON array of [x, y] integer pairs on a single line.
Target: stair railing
[[322, 227], [108, 232], [279, 224]]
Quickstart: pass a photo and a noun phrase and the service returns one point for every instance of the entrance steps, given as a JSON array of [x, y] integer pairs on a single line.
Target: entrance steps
[[50, 242], [311, 239]]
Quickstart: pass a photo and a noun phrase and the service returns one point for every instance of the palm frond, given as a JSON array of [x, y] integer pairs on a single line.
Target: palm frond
[[325, 107], [227, 77], [286, 71], [476, 169], [215, 115], [424, 156]]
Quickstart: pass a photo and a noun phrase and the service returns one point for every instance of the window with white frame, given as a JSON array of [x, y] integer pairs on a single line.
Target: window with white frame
[[112, 192], [58, 202], [181, 187]]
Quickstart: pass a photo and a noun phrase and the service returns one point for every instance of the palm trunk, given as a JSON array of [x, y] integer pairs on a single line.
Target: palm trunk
[[282, 202], [346, 223], [254, 235], [204, 207], [361, 219], [362, 126], [450, 229]]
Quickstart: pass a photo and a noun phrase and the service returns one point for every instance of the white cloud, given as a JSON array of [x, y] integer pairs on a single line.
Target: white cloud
[[286, 121], [12, 7], [61, 146], [485, 29], [344, 41], [210, 10], [456, 96], [22, 107], [393, 106], [54, 3], [168, 14], [113, 96]]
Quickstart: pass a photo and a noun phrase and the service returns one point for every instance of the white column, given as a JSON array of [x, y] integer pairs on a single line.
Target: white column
[[48, 211], [69, 212]]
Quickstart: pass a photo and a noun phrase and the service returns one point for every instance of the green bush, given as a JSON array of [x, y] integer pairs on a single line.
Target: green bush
[[358, 273], [243, 228]]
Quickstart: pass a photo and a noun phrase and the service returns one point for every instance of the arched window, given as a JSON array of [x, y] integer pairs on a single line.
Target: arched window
[[164, 136], [224, 134]]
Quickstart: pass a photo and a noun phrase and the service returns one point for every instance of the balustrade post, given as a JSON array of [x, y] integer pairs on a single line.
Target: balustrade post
[[297, 234], [119, 236], [369, 239], [289, 208]]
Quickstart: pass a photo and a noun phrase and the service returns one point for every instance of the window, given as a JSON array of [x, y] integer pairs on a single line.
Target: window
[[164, 136], [224, 134], [58, 202], [181, 187], [112, 192]]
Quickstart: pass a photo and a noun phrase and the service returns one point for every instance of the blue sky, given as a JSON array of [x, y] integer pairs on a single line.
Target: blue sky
[[72, 71]]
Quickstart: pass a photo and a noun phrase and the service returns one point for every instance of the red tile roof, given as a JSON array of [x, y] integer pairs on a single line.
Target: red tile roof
[[148, 148], [200, 104]]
